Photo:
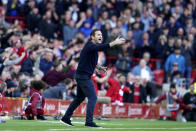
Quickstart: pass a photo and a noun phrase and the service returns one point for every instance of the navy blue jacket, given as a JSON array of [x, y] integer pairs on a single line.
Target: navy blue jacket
[[27, 66], [89, 57]]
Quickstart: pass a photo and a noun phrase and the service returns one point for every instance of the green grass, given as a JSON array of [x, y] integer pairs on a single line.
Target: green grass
[[110, 125]]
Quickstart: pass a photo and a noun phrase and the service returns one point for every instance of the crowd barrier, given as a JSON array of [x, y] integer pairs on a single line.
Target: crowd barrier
[[14, 106]]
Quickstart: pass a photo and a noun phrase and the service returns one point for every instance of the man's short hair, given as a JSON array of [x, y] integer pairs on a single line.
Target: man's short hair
[[93, 32]]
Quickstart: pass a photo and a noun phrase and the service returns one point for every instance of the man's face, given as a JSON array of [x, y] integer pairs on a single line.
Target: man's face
[[97, 38]]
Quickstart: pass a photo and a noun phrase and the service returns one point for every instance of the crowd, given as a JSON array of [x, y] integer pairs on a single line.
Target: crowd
[[48, 47]]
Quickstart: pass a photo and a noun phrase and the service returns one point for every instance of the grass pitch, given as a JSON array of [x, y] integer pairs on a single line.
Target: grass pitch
[[110, 125]]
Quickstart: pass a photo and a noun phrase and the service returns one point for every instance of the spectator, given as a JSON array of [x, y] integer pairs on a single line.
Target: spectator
[[137, 34], [137, 92], [175, 57], [33, 19], [69, 32], [34, 109], [160, 50], [61, 91], [100, 80], [46, 62], [189, 99], [56, 75], [28, 65], [123, 63], [146, 75], [46, 27]]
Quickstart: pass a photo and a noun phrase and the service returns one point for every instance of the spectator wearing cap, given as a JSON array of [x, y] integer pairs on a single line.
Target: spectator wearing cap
[[137, 33], [11, 88], [152, 34], [175, 57]]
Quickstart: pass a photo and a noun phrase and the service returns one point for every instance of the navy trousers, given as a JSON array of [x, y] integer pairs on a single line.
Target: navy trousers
[[85, 88]]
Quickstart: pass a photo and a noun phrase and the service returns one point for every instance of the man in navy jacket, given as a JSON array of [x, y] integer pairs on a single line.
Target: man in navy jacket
[[86, 66]]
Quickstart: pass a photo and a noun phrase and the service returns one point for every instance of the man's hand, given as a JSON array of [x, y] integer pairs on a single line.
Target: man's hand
[[117, 41], [101, 69]]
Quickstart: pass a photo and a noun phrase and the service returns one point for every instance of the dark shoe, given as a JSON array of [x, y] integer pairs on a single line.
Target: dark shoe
[[66, 122], [41, 117], [91, 125]]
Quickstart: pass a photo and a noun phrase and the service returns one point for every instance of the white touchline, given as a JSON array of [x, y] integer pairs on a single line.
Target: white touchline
[[187, 128]]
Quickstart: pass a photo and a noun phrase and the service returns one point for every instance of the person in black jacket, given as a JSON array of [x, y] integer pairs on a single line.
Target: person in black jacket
[[138, 92], [87, 64], [189, 99], [28, 64]]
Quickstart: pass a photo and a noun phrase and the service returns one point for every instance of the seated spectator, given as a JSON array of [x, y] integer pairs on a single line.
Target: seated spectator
[[146, 75], [174, 102], [137, 92], [189, 99], [46, 62], [11, 88], [56, 75], [34, 109], [28, 64], [100, 80], [61, 91], [115, 92]]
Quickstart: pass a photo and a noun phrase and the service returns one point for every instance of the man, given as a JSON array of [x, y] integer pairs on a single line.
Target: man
[[174, 102], [175, 57], [28, 64], [189, 99], [147, 77], [86, 66]]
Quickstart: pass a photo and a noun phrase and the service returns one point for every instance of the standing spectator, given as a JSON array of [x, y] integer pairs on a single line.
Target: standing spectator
[[46, 27], [169, 47], [69, 32], [33, 20], [137, 34], [187, 53], [123, 63], [160, 50], [35, 105], [189, 99], [175, 57]]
